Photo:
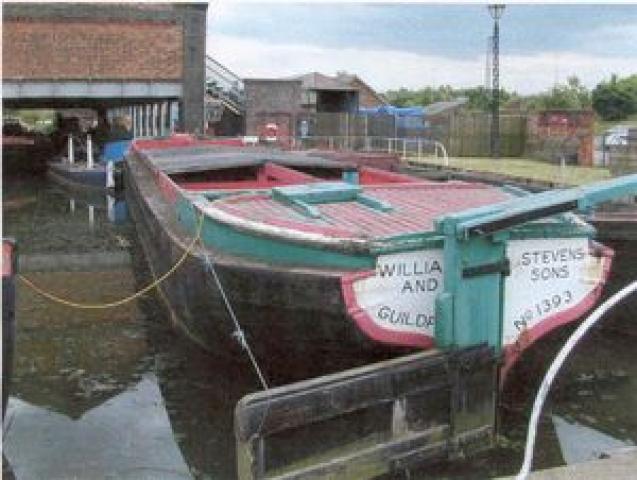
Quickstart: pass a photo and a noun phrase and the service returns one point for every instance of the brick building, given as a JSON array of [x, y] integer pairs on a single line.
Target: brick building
[[367, 96], [290, 102], [103, 55], [272, 101]]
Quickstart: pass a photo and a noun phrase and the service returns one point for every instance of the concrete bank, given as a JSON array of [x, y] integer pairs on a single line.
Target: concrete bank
[[620, 465]]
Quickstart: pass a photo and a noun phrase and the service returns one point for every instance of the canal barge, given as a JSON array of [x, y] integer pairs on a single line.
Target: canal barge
[[319, 255]]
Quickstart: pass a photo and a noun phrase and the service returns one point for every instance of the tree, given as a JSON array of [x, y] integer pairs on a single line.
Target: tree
[[616, 99], [478, 98], [569, 96]]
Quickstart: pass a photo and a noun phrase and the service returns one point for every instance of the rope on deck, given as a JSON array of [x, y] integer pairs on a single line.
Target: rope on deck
[[101, 306]]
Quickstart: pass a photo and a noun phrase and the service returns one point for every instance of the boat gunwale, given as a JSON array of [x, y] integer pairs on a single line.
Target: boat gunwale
[[219, 159], [181, 237], [347, 245]]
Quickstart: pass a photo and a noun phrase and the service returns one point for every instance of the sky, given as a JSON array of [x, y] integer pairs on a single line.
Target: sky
[[415, 45]]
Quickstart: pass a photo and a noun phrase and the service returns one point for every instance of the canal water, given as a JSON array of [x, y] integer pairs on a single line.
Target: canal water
[[120, 394]]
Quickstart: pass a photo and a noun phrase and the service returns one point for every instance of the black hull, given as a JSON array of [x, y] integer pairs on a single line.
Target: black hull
[[294, 319]]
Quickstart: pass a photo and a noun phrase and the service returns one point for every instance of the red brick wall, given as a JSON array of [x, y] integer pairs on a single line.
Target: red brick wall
[[84, 49], [553, 133]]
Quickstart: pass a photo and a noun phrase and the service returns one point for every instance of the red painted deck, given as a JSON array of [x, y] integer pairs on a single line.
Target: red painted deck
[[272, 175], [416, 202], [416, 205], [267, 176], [184, 140], [374, 176]]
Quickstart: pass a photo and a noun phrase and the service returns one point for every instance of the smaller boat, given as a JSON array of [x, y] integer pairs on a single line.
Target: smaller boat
[[8, 317], [105, 174]]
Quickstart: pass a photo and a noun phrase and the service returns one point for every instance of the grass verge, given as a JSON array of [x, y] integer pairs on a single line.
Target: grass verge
[[523, 168]]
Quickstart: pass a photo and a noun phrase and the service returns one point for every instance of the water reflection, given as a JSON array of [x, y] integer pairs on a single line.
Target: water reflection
[[128, 436], [581, 443], [107, 393], [200, 391]]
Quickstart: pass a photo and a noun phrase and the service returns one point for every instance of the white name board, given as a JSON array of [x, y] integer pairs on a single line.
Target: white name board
[[400, 296], [548, 277]]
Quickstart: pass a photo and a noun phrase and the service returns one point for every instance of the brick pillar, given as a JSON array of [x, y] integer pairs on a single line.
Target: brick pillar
[[191, 108]]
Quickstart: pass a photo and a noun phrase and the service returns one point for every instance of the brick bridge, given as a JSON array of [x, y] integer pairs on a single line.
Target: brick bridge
[[145, 60]]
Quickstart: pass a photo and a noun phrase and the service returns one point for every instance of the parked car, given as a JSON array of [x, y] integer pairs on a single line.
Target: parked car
[[616, 136]]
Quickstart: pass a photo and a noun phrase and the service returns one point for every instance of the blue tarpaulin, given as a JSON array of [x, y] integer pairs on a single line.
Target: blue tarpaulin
[[115, 151], [394, 111], [406, 118]]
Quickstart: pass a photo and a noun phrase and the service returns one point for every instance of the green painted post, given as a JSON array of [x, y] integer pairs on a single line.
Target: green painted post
[[445, 325], [469, 310], [479, 295]]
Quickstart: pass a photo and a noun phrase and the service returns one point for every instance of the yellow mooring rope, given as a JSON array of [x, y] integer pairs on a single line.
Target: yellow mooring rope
[[117, 303]]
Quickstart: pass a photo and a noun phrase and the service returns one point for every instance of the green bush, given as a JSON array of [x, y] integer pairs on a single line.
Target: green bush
[[616, 99]]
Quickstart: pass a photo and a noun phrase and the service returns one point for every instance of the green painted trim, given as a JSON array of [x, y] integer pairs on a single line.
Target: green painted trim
[[469, 310], [300, 206], [323, 192], [213, 195], [564, 228], [281, 251], [234, 241], [407, 243], [524, 209], [515, 191], [374, 203], [303, 197]]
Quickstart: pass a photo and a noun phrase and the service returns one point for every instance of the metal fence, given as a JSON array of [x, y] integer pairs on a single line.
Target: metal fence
[[462, 133], [417, 148], [622, 153]]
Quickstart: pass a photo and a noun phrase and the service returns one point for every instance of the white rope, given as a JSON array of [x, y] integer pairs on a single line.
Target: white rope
[[554, 368], [238, 334]]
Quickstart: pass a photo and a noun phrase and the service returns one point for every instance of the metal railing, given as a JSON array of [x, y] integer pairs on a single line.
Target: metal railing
[[225, 85], [416, 148], [405, 148]]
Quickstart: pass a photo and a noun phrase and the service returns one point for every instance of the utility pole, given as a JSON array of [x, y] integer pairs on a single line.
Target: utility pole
[[496, 11], [488, 67]]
